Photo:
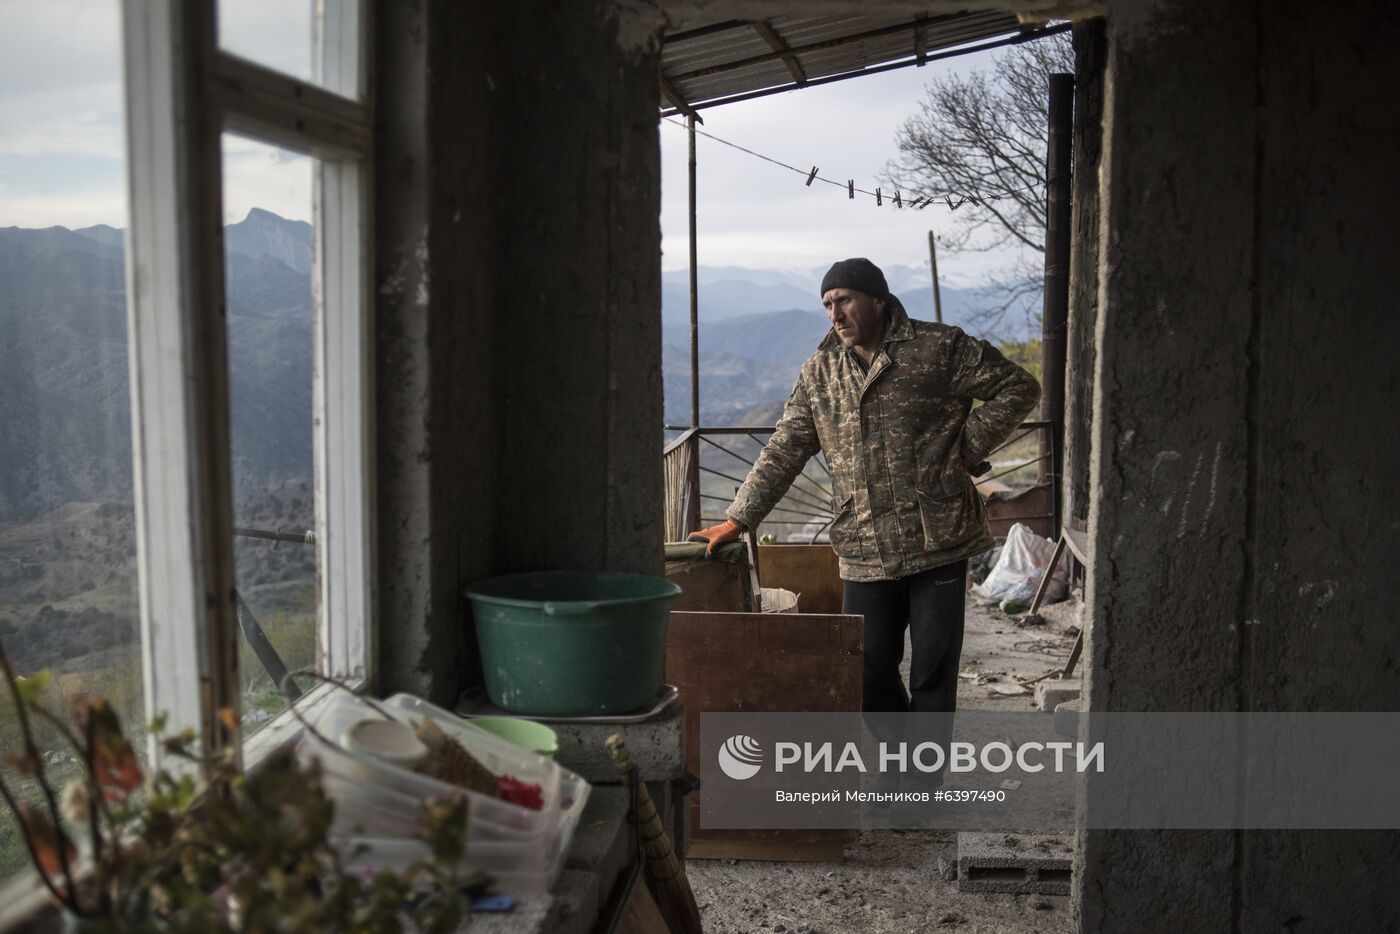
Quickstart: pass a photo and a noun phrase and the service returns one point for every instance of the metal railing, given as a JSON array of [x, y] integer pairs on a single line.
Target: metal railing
[[252, 630], [703, 467]]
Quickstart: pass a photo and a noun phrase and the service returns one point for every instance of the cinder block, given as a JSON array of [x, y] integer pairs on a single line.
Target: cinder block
[[1052, 692], [1067, 717], [657, 747], [602, 843], [1014, 863]]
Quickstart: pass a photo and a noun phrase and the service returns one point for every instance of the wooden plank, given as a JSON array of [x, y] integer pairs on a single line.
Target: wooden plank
[[724, 662], [810, 571], [1074, 654], [775, 42], [640, 915], [1044, 586], [1078, 541]]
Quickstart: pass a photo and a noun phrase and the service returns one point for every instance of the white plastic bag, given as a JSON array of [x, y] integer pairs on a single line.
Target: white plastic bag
[[1019, 568]]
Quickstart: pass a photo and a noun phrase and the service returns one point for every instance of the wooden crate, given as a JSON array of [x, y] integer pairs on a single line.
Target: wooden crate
[[728, 662], [810, 571], [710, 584]]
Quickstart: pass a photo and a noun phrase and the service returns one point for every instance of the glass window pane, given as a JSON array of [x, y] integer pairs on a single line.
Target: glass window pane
[[268, 262], [68, 588], [314, 42]]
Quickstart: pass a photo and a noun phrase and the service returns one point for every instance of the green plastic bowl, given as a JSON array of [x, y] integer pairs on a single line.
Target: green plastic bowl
[[527, 734], [572, 643]]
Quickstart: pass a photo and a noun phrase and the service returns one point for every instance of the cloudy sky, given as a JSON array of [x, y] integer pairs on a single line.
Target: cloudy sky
[[61, 147], [752, 213], [61, 136]]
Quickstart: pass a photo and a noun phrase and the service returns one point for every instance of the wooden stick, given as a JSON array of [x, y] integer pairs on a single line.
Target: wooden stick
[[665, 877]]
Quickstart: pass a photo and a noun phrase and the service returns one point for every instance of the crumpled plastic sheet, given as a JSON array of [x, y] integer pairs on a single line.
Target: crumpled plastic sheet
[[1019, 568]]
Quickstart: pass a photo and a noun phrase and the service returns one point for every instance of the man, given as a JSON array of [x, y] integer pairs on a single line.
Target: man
[[889, 401]]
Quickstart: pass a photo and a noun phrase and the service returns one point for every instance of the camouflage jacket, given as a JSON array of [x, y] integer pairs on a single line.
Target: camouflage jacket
[[895, 438]]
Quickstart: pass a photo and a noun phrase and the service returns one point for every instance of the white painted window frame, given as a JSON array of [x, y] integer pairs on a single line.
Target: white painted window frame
[[182, 94]]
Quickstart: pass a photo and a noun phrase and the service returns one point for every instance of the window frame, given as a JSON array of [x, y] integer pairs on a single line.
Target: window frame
[[182, 94]]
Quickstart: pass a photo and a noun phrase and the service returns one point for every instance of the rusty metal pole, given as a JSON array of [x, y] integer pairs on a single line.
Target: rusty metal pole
[[933, 264], [1055, 311], [692, 478]]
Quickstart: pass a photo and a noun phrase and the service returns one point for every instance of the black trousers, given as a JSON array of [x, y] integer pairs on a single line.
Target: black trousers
[[930, 605]]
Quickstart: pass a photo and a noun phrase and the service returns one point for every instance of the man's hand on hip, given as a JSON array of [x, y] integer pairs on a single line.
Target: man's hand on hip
[[726, 531]]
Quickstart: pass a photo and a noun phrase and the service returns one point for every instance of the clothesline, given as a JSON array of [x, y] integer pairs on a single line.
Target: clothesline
[[952, 200]]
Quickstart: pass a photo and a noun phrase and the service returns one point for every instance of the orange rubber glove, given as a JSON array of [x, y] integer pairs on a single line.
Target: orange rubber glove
[[726, 531]]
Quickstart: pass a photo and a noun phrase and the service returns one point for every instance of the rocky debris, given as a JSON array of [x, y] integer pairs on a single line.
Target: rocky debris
[[1064, 616], [887, 883]]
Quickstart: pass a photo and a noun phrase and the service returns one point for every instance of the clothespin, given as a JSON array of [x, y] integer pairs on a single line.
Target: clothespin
[[896, 199], [973, 201], [811, 175], [877, 196], [949, 201], [851, 189]]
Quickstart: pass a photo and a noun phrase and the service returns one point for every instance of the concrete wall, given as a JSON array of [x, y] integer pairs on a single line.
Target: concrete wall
[[578, 269], [1090, 49], [1245, 368], [519, 329], [432, 348], [1326, 458]]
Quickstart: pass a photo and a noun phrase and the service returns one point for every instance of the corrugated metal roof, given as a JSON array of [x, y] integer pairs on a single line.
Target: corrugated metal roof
[[711, 64]]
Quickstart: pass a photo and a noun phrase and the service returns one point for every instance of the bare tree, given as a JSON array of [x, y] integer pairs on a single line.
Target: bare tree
[[983, 136]]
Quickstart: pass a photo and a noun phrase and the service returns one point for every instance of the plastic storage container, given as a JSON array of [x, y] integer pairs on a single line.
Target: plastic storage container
[[380, 805], [572, 643]]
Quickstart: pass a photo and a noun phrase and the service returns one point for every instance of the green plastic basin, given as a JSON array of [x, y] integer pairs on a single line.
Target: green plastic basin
[[572, 643]]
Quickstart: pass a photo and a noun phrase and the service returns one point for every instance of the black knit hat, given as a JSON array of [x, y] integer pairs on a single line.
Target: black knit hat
[[859, 274]]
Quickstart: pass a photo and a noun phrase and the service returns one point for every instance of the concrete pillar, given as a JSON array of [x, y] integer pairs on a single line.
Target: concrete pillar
[[577, 266], [1319, 625], [518, 333], [1089, 52], [1171, 394], [1244, 363], [433, 341]]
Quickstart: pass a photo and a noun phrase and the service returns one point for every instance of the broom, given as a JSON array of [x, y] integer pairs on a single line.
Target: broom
[[665, 878]]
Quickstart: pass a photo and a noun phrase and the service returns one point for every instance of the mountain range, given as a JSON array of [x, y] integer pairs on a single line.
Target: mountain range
[[757, 326], [64, 409], [65, 419]]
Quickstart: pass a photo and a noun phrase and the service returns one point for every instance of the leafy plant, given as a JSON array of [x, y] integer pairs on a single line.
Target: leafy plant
[[239, 852]]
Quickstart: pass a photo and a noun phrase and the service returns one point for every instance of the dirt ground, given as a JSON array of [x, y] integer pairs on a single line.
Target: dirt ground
[[890, 881]]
